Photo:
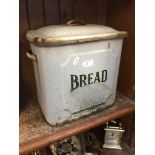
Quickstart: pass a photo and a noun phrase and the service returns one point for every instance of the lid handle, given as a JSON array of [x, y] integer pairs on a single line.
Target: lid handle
[[75, 22]]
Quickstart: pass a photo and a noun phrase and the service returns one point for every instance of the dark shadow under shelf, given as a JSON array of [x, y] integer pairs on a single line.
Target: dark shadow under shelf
[[36, 133]]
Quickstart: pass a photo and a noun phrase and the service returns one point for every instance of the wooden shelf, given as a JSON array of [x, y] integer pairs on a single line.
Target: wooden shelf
[[36, 133]]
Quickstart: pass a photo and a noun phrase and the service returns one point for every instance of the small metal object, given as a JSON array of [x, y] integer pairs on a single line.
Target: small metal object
[[113, 135], [53, 149], [31, 56], [36, 153], [70, 146], [89, 153], [73, 22]]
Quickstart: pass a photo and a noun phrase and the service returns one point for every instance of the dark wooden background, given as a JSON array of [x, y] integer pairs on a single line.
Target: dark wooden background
[[118, 14]]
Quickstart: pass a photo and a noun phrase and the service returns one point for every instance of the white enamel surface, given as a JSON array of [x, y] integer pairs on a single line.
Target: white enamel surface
[[58, 31], [93, 94], [56, 64]]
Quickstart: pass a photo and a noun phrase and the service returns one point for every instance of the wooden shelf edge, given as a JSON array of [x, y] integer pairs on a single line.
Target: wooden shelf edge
[[59, 135]]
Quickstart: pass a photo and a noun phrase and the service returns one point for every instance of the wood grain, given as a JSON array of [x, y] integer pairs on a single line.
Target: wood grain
[[27, 83], [92, 11], [80, 10], [27, 73], [23, 22], [131, 141], [23, 27], [36, 13], [51, 8], [101, 12], [120, 15], [127, 124], [66, 10], [35, 133]]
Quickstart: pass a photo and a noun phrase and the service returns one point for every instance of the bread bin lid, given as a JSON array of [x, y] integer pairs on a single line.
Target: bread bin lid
[[75, 31]]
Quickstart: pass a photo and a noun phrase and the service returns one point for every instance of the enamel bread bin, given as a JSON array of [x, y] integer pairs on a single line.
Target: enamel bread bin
[[76, 67]]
